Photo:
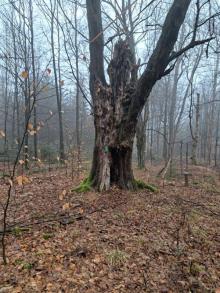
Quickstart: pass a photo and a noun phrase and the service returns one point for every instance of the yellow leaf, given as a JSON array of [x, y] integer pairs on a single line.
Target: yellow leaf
[[24, 74], [21, 162], [2, 134], [66, 206]]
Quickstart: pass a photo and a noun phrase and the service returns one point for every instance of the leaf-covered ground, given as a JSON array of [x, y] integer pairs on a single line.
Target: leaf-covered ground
[[118, 241]]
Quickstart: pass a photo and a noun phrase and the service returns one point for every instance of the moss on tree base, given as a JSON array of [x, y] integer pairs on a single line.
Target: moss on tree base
[[85, 185]]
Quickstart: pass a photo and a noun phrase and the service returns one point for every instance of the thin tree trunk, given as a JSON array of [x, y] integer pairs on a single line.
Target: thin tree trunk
[[195, 135]]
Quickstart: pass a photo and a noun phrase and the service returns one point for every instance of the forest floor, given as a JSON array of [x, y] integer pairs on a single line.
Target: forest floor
[[117, 241]]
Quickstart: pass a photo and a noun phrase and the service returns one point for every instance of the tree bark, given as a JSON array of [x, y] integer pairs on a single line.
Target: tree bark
[[141, 137]]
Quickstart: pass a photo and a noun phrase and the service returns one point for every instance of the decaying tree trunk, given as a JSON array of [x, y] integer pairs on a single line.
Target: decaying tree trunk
[[112, 159], [117, 106]]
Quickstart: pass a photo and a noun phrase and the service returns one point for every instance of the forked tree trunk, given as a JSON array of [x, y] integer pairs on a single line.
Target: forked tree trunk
[[116, 106]]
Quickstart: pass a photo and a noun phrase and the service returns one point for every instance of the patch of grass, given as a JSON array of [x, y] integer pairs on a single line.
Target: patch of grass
[[196, 269], [18, 261], [119, 216], [142, 185], [17, 231], [25, 265], [116, 257], [193, 216], [85, 185], [47, 236], [141, 241]]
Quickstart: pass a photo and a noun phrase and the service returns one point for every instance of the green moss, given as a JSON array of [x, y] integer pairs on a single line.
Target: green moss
[[142, 185], [85, 185]]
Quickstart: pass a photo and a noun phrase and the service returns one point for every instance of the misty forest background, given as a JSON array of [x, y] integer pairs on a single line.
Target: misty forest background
[[44, 55]]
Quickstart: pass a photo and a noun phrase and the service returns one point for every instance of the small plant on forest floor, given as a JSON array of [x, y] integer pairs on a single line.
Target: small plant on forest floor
[[141, 241], [24, 265], [18, 231], [116, 257]]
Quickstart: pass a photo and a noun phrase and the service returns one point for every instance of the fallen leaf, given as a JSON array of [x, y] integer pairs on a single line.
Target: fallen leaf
[[62, 195], [22, 180], [66, 206]]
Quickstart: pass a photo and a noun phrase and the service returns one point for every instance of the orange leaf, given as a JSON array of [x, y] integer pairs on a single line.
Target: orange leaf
[[66, 206]]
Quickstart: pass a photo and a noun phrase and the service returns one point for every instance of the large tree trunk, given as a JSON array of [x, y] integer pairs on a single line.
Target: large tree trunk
[[116, 107], [112, 158]]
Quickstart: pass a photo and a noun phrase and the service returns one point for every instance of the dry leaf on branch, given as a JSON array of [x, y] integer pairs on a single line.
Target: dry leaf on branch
[[24, 74], [2, 134]]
